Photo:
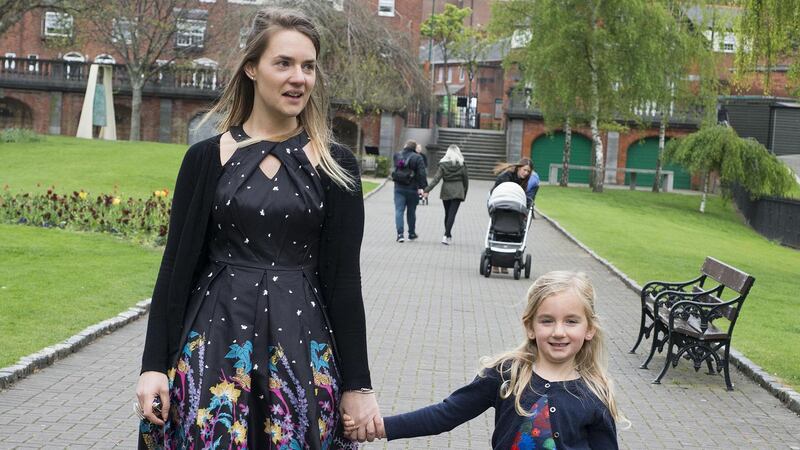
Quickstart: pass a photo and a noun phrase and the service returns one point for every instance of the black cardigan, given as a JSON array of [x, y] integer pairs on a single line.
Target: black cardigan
[[186, 253]]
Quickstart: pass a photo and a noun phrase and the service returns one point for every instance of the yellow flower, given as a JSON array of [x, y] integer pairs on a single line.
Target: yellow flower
[[203, 416], [275, 430], [171, 374], [238, 432], [82, 195], [182, 366], [323, 427], [226, 390], [116, 201]]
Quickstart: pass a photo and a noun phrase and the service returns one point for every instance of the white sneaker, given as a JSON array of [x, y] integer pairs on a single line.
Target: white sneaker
[[449, 240], [445, 240]]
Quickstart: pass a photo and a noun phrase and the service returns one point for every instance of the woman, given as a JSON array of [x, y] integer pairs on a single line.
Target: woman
[[516, 173], [261, 266], [455, 183]]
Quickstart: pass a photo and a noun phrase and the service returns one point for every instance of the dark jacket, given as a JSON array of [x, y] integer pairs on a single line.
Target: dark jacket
[[186, 253], [577, 418], [455, 181], [510, 175], [416, 163]]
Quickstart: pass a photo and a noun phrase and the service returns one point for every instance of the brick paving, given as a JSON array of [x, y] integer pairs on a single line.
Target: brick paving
[[431, 316]]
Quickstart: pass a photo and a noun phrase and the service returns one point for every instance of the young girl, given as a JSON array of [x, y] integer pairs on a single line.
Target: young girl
[[550, 392]]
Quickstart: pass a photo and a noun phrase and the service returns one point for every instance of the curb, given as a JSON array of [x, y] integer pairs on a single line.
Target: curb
[[751, 370], [380, 186], [48, 355]]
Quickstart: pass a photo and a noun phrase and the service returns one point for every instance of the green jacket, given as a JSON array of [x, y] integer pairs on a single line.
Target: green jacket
[[455, 181]]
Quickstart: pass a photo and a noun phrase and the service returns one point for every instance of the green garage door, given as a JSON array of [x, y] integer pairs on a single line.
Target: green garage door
[[643, 155], [547, 150]]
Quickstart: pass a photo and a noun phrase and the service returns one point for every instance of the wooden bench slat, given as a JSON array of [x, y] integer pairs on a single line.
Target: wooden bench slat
[[729, 276]]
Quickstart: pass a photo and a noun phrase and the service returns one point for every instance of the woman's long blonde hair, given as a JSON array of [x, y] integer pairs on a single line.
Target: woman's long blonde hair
[[516, 366], [236, 102], [453, 154]]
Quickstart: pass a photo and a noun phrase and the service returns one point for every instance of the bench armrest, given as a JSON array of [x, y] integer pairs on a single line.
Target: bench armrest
[[655, 287], [667, 299], [706, 312]]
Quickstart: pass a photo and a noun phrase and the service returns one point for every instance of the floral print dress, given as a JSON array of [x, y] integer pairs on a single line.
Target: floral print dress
[[257, 367]]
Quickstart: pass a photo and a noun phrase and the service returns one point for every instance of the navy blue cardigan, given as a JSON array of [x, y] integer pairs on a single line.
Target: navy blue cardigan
[[572, 415], [186, 252]]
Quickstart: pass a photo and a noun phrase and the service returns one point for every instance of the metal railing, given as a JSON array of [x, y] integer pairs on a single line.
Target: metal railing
[[72, 76]]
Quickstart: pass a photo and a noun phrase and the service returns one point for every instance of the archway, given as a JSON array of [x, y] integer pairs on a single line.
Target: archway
[[15, 114], [549, 149], [643, 155], [346, 132], [122, 114]]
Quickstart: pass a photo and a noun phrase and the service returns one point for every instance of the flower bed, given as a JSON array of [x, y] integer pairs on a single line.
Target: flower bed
[[144, 220]]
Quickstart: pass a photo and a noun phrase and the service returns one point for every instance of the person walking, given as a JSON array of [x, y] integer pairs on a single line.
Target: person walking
[[519, 173], [256, 336], [423, 199], [410, 180], [453, 174]]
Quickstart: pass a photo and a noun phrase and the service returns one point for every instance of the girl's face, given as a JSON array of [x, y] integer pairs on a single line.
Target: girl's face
[[560, 328], [285, 74], [523, 171]]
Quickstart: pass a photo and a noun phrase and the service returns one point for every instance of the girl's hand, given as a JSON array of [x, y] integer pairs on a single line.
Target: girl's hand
[[150, 385], [350, 426]]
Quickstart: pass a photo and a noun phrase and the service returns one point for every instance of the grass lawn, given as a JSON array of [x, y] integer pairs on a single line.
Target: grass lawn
[[664, 237], [134, 169], [54, 283]]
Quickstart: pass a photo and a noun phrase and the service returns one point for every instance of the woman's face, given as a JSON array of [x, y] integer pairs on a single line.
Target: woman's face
[[523, 171], [285, 74]]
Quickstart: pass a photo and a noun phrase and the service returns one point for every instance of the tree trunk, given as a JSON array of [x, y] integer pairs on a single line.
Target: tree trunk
[[136, 107], [662, 133], [706, 179], [599, 173], [359, 147], [444, 78], [567, 150]]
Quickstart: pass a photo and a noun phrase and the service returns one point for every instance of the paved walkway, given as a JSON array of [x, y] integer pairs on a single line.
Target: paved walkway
[[431, 317]]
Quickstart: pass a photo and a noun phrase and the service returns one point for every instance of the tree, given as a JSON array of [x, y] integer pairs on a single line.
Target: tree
[[668, 88], [472, 49], [585, 59], [142, 32], [11, 11], [717, 148], [446, 30], [768, 32]]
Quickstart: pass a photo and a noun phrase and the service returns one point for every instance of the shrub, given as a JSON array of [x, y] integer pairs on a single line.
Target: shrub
[[21, 135], [143, 220], [381, 166]]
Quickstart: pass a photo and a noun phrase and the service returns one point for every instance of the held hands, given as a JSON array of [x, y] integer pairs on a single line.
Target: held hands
[[150, 385], [363, 414], [422, 193], [350, 427]]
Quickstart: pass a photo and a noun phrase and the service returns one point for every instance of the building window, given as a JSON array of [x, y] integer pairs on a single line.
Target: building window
[[104, 58], [449, 74], [461, 73], [10, 63], [440, 74], [729, 43], [57, 24], [122, 30], [498, 108], [33, 63], [386, 8], [191, 33]]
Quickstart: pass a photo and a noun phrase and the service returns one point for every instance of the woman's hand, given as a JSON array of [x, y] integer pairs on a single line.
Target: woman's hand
[[150, 385], [364, 414]]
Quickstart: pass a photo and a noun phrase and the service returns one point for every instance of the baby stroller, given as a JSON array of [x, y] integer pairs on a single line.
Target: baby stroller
[[508, 231]]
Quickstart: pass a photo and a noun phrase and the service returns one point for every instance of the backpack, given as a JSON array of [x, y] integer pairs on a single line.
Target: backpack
[[403, 173]]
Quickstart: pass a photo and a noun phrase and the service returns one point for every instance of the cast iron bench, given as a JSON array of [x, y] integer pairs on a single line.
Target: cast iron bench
[[682, 315]]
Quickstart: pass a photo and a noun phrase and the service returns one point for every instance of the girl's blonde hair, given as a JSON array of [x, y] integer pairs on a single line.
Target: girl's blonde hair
[[453, 155], [236, 102], [590, 361]]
